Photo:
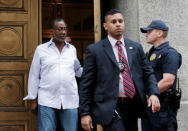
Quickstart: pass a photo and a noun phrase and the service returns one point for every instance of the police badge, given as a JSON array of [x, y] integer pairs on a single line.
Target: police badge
[[152, 57]]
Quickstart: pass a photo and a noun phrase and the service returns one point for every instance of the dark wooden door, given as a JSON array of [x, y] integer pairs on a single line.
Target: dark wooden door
[[19, 36]]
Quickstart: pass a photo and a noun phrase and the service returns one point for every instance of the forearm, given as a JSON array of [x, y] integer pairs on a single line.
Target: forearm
[[164, 85], [148, 75], [166, 82], [33, 86], [87, 83], [78, 69], [34, 77]]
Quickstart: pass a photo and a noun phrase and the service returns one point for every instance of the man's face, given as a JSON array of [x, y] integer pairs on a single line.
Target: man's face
[[60, 31], [152, 36], [115, 25]]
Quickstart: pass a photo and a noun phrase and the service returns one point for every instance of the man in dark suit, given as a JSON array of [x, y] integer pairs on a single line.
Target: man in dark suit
[[116, 74]]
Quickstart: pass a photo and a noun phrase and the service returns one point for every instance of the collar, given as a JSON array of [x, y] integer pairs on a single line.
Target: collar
[[163, 45], [51, 43], [113, 41]]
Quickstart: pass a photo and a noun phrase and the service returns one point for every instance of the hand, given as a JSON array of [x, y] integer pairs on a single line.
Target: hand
[[154, 103], [33, 105], [86, 122]]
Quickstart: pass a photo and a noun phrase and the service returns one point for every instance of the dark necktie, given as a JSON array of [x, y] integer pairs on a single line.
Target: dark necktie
[[128, 84]]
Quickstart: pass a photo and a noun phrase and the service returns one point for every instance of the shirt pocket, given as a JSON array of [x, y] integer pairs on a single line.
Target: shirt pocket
[[68, 62], [48, 60]]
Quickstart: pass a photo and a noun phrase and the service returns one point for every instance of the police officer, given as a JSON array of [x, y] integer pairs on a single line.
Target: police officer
[[165, 60]]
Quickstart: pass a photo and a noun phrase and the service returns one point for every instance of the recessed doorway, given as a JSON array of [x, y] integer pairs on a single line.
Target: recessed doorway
[[79, 16]]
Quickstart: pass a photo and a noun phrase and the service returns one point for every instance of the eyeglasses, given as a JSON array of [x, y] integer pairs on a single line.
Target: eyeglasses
[[62, 29]]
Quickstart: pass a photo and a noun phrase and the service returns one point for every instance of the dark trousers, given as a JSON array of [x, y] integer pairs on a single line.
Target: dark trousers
[[126, 116], [164, 120]]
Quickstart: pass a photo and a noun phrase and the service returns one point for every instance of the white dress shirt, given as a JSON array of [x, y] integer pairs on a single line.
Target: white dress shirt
[[52, 76], [115, 49]]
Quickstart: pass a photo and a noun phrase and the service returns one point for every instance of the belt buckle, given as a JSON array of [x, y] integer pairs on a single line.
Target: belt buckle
[[123, 99]]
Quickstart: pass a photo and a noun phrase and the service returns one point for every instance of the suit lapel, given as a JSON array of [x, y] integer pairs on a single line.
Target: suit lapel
[[130, 51], [109, 51]]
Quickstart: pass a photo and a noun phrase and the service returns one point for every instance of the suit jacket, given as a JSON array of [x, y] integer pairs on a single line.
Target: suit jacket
[[99, 85]]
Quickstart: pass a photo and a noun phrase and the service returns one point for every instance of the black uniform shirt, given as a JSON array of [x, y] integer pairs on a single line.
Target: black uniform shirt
[[164, 59]]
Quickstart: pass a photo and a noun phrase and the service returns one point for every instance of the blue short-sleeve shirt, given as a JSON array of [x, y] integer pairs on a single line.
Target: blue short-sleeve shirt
[[164, 59]]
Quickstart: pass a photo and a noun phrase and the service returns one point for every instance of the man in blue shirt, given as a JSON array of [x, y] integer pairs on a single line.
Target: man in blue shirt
[[165, 61]]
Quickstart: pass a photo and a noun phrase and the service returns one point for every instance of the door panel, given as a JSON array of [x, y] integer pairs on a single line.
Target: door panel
[[19, 36]]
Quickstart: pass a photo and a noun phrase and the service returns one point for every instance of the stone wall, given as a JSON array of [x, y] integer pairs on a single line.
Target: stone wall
[[140, 13]]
